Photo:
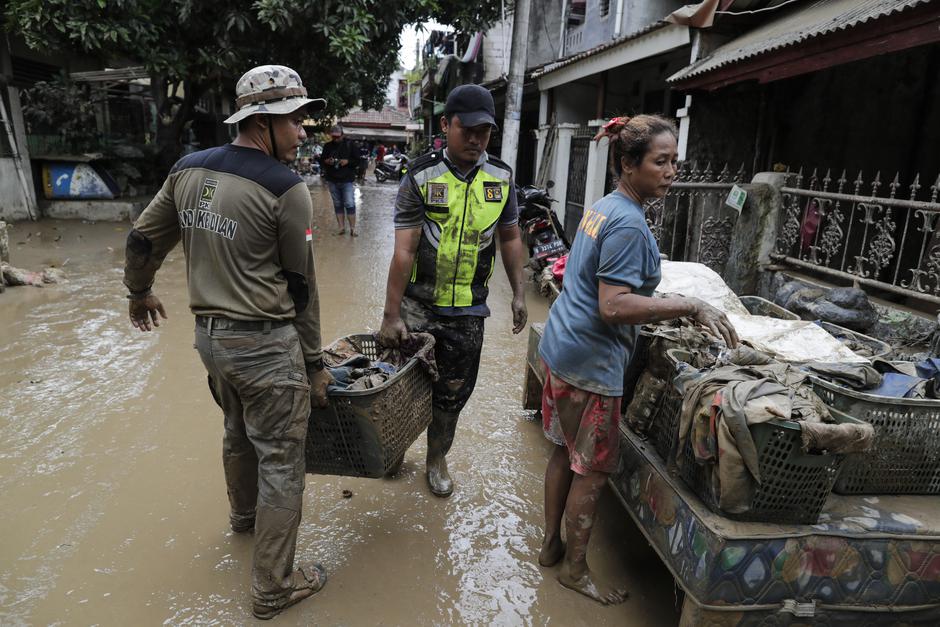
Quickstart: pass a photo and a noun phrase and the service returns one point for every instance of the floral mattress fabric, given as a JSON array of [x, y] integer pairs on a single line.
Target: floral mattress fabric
[[865, 552]]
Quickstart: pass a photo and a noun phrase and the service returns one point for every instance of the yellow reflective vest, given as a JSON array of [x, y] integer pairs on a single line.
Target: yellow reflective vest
[[457, 250]]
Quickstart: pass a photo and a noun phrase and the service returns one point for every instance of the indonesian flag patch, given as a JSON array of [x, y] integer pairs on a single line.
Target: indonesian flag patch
[[309, 235]]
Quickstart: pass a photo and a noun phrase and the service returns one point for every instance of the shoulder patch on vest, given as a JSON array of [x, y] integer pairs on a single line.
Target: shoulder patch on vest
[[437, 194]]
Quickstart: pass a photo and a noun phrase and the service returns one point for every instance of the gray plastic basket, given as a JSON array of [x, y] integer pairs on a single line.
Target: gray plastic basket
[[868, 345], [365, 433], [906, 456], [794, 485], [757, 306]]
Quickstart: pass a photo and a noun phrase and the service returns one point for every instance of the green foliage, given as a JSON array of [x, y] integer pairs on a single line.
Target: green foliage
[[64, 109], [344, 49]]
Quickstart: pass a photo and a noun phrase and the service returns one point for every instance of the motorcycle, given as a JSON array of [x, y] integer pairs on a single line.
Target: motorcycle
[[391, 167], [542, 231]]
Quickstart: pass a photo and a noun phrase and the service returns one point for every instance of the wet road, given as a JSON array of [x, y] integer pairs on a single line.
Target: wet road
[[112, 500]]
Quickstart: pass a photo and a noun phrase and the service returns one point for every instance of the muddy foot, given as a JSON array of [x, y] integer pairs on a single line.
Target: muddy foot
[[588, 585], [341, 232], [552, 552], [354, 234]]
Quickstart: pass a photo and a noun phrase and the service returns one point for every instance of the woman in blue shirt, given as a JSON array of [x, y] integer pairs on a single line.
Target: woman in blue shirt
[[612, 271]]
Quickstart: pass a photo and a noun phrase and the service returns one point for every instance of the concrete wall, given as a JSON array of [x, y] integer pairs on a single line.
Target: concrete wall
[[544, 32], [12, 205], [543, 45], [497, 46], [638, 14], [597, 29], [594, 31], [752, 239]]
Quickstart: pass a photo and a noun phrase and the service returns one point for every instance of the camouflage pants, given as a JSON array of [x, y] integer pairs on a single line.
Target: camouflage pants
[[259, 380], [457, 347]]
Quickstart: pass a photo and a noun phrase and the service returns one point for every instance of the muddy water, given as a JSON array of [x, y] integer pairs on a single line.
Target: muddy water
[[112, 501]]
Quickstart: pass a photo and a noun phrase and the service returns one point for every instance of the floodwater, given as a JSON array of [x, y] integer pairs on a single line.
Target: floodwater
[[112, 501]]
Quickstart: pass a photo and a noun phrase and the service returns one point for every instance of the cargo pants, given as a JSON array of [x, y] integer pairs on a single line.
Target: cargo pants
[[259, 380], [458, 343]]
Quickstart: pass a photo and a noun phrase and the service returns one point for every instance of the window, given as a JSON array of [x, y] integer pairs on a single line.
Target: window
[[604, 7], [402, 94], [576, 12]]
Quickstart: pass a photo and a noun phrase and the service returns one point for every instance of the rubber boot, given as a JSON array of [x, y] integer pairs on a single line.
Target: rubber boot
[[440, 438]]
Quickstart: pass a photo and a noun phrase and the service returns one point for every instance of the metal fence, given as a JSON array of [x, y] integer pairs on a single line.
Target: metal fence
[[577, 180], [881, 241], [692, 223]]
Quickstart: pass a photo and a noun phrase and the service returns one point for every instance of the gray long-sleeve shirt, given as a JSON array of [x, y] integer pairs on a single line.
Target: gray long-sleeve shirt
[[245, 222]]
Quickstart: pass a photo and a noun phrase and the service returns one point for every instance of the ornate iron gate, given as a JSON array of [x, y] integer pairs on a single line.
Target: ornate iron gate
[[577, 180], [887, 243], [692, 223]]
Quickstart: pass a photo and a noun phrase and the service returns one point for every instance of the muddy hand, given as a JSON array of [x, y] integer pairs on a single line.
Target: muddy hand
[[146, 312], [519, 314], [393, 331], [716, 322], [319, 381]]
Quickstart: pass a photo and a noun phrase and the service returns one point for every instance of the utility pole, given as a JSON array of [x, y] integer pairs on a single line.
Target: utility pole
[[517, 64]]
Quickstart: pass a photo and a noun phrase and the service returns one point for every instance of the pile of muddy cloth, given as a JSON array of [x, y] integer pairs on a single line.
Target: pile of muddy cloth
[[795, 341], [747, 387], [894, 379], [352, 370]]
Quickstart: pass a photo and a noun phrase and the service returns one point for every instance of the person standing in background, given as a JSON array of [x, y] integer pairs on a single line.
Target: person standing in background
[[339, 161]]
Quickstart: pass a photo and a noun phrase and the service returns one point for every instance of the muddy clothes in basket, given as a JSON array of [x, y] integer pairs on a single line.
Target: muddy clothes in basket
[[720, 405], [365, 432], [348, 354], [875, 554]]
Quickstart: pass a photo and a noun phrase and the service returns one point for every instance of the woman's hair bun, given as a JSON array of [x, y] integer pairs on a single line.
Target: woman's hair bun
[[612, 128]]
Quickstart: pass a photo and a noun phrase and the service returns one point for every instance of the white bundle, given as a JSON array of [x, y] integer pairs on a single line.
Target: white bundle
[[785, 340]]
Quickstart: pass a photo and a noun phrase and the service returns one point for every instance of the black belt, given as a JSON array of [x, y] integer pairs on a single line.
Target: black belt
[[227, 324]]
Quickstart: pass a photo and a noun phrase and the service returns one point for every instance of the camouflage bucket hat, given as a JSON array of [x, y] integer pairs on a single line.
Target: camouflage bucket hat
[[274, 89]]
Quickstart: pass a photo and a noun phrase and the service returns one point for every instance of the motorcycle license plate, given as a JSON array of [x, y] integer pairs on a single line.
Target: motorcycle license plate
[[548, 248]]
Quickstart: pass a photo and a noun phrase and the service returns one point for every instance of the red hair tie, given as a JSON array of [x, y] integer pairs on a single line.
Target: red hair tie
[[612, 128]]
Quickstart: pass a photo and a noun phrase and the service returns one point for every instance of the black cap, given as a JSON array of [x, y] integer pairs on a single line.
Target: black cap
[[472, 104]]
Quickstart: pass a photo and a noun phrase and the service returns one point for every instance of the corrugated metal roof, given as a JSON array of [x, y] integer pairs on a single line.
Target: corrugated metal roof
[[557, 65], [386, 117], [803, 23], [114, 75]]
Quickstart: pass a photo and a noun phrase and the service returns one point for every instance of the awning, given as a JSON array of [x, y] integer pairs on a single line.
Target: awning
[[384, 134], [651, 41], [815, 36], [111, 75]]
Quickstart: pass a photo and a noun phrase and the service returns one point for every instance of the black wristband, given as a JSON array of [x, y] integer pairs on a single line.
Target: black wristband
[[316, 365]]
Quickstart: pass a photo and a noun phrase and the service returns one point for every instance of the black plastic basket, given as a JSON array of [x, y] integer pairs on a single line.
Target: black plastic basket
[[905, 458], [794, 485], [365, 433]]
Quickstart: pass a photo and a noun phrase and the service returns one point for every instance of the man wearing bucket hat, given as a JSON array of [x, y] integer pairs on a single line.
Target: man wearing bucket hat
[[452, 208], [245, 222]]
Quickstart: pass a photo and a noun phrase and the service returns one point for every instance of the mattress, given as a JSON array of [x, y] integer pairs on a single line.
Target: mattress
[[867, 556]]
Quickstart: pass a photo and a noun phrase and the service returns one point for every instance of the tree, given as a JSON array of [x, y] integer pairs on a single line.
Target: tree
[[344, 50]]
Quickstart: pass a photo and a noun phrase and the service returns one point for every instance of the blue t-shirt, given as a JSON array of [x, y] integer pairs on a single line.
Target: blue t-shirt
[[613, 244]]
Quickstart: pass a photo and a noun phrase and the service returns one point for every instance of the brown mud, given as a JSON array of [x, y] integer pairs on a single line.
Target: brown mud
[[113, 503]]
